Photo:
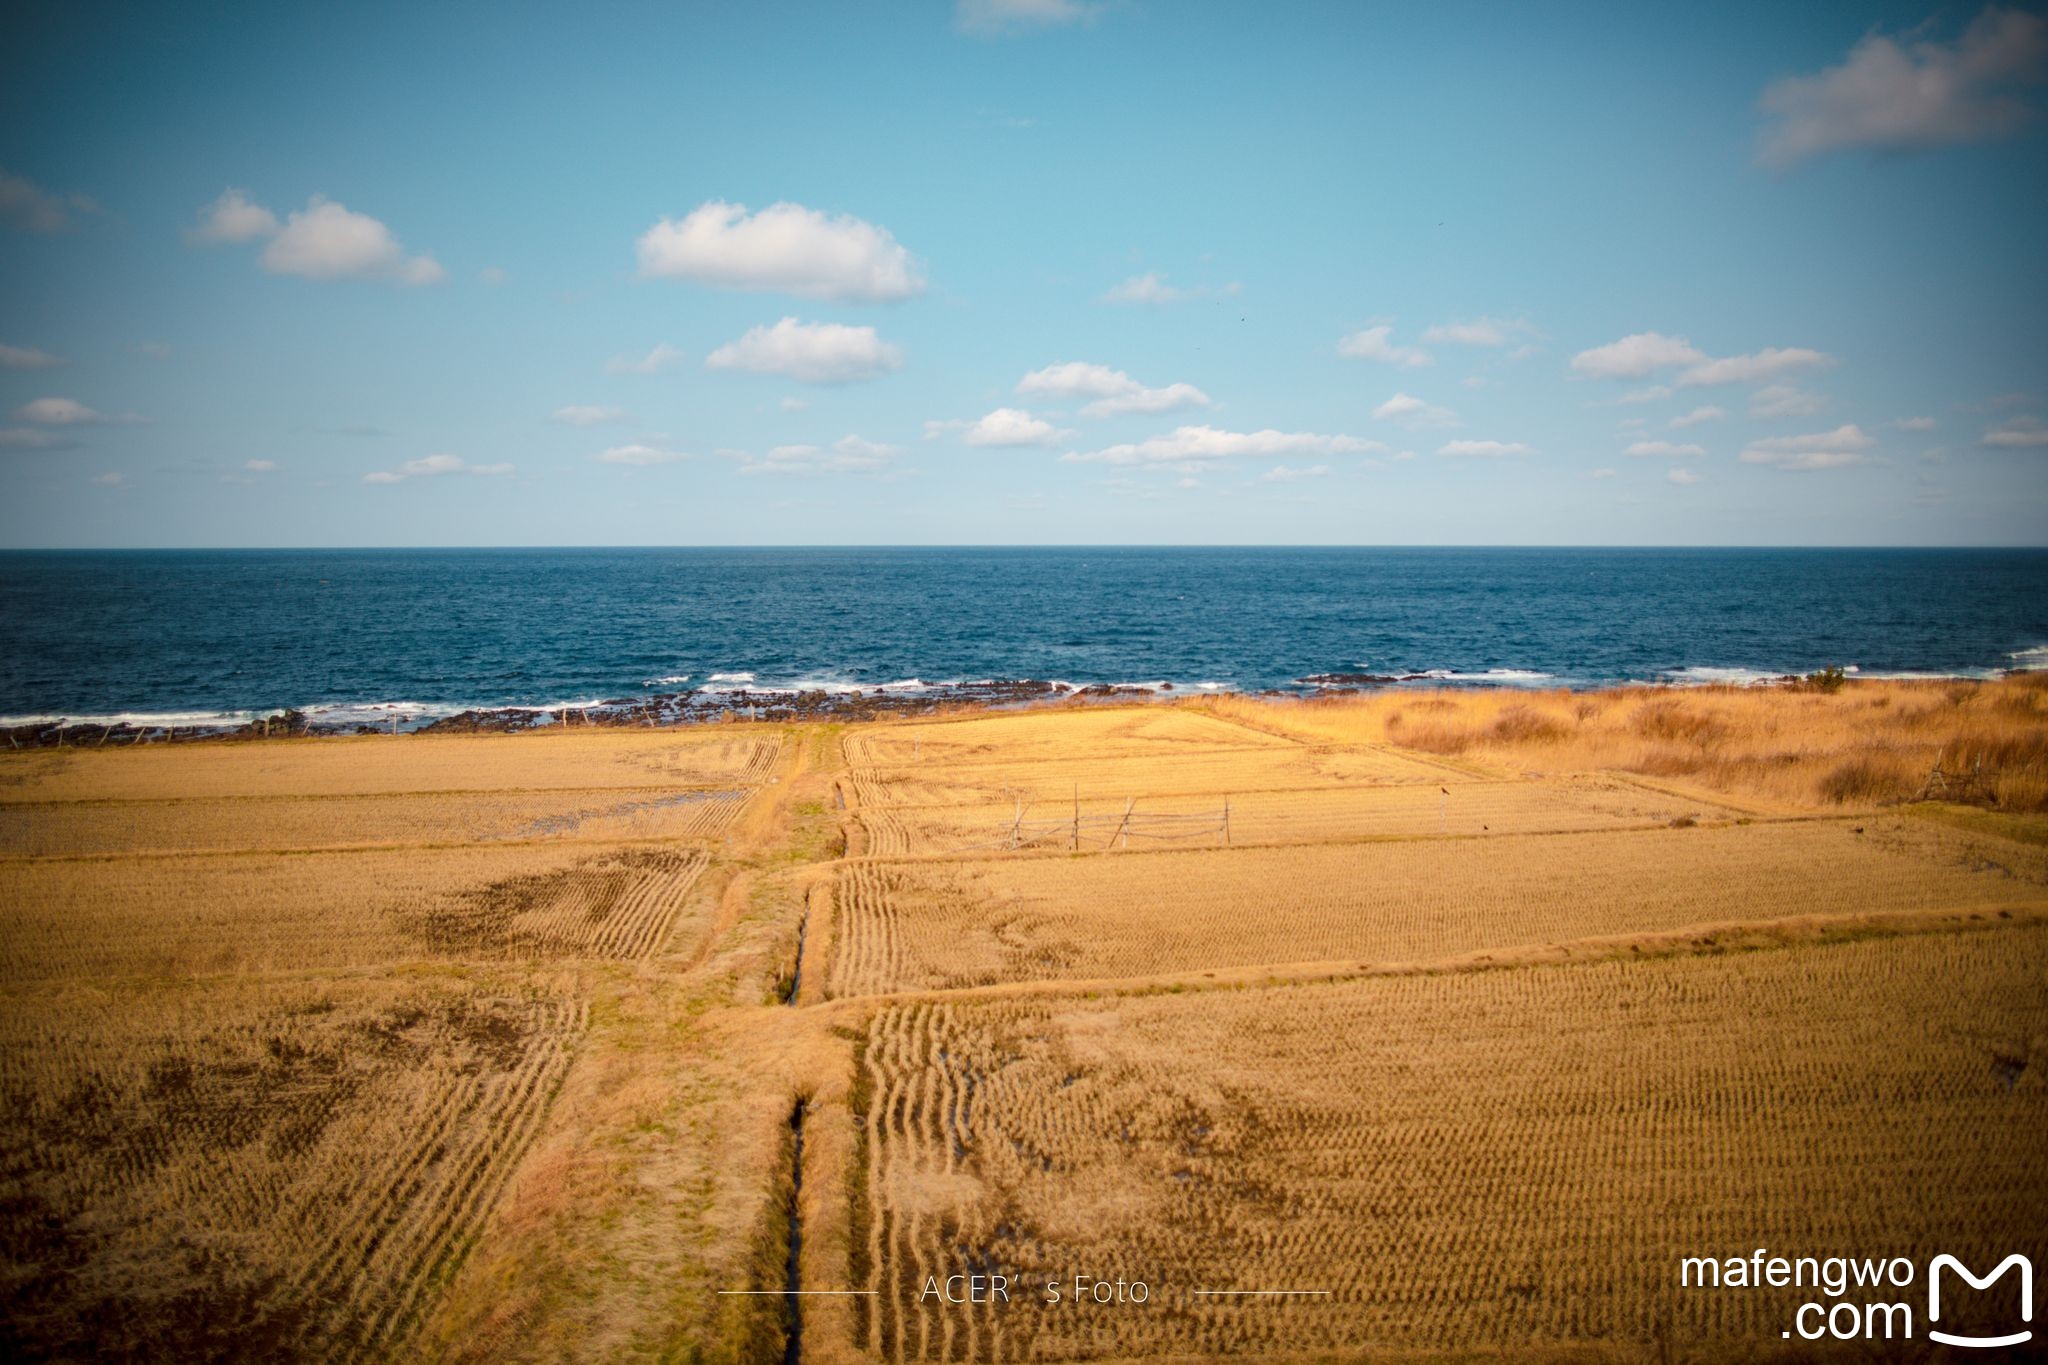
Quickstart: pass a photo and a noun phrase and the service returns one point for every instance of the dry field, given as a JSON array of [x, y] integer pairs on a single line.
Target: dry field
[[1471, 1160], [1480, 1012], [280, 1021], [945, 925]]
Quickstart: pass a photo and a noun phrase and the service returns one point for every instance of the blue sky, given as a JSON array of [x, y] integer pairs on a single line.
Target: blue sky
[[1151, 271]]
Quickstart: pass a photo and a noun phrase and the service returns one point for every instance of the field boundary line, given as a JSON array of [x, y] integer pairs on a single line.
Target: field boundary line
[[1197, 793], [70, 803], [1707, 938], [708, 843], [1342, 841], [1705, 796]]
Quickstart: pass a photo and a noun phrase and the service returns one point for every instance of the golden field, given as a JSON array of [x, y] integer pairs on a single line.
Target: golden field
[[1478, 1012]]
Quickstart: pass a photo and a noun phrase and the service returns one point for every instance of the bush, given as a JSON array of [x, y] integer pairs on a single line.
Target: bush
[[1829, 679], [1521, 724]]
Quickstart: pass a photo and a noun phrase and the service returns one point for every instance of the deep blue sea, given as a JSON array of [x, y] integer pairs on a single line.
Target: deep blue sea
[[157, 635]]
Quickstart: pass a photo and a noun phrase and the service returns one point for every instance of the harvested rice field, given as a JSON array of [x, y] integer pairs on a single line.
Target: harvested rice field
[[1403, 1029]]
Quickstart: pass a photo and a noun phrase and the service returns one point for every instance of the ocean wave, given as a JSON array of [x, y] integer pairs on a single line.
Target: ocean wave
[[142, 720], [731, 678], [673, 680], [1715, 675], [2030, 658]]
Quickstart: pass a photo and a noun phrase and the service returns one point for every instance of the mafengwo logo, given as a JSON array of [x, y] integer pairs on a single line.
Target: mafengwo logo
[[1945, 1261]]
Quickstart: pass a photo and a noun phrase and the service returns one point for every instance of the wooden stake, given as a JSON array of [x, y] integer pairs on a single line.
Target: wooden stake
[[1124, 830], [1226, 820]]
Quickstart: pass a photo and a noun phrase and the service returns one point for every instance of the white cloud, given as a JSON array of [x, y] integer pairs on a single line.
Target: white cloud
[[260, 466], [1683, 477], [1656, 393], [1785, 400], [1602, 473], [1914, 424], [1115, 393], [233, 217], [493, 275], [1769, 363], [62, 412], [1821, 450], [431, 466], [793, 404], [638, 455], [660, 358], [1195, 445], [1373, 343], [322, 241], [810, 352], [587, 415], [1152, 287], [28, 207], [990, 17], [34, 438], [110, 480], [1901, 97], [26, 358], [1148, 288], [2020, 432], [1484, 449], [785, 248], [1665, 449], [1414, 414], [1281, 473], [1477, 332], [1699, 415], [1003, 427], [1637, 355], [155, 350], [847, 455]]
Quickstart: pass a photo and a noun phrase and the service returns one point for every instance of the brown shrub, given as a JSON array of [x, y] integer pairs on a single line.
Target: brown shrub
[[1438, 739], [1870, 777], [1520, 724], [1672, 720]]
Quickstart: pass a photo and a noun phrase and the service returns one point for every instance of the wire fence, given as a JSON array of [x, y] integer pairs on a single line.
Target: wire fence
[[1077, 832]]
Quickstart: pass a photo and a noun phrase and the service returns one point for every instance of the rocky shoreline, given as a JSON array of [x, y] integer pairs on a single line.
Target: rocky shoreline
[[696, 707]]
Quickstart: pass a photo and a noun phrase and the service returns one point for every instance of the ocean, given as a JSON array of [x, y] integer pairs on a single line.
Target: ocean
[[354, 636]]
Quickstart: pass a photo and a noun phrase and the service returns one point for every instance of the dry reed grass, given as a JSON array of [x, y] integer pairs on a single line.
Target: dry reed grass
[[1867, 744]]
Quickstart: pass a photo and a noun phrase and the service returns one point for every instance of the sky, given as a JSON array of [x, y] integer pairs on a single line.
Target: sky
[[1023, 272]]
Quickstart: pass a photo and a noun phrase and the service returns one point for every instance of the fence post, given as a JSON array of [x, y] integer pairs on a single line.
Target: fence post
[[1076, 845], [1226, 820], [1124, 830], [1017, 823]]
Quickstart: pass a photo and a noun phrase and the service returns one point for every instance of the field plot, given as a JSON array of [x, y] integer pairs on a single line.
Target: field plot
[[1301, 816], [381, 765], [1107, 732], [1217, 772], [257, 1169], [1493, 1160], [65, 828], [190, 914], [930, 925]]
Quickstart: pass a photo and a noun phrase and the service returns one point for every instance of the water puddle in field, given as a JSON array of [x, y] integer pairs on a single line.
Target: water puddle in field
[[792, 1271], [568, 822], [796, 971]]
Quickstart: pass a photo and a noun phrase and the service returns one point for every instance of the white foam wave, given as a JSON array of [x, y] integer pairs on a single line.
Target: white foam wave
[[672, 680], [1704, 675], [142, 720], [1502, 677], [2032, 657], [731, 678]]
